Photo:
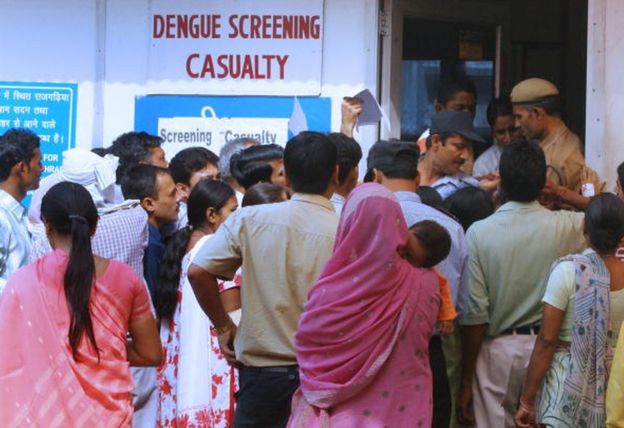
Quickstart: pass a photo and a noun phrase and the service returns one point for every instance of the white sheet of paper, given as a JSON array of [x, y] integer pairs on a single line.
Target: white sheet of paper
[[371, 110], [297, 122]]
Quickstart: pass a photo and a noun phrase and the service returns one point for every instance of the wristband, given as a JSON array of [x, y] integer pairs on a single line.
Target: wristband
[[228, 326], [527, 407]]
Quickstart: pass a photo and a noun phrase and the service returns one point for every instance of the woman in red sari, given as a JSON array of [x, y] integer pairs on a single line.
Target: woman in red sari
[[64, 321]]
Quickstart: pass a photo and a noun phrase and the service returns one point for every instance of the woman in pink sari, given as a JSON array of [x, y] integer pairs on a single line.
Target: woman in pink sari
[[363, 336], [64, 321]]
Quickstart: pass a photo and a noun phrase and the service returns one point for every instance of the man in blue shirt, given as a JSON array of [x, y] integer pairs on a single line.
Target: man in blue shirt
[[154, 187], [448, 149], [157, 193]]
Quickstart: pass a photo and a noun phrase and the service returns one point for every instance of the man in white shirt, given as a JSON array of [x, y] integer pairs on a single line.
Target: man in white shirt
[[20, 169], [349, 155], [504, 131]]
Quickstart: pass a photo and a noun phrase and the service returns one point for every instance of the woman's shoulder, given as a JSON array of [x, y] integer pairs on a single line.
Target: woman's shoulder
[[118, 269], [24, 275], [196, 247]]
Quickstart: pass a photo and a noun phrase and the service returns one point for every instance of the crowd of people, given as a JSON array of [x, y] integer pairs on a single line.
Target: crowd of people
[[459, 285]]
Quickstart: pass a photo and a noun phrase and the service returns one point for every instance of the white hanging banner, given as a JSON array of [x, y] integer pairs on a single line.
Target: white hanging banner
[[243, 47], [212, 132]]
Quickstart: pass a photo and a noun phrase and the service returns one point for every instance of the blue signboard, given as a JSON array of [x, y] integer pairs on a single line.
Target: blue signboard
[[48, 110], [149, 109]]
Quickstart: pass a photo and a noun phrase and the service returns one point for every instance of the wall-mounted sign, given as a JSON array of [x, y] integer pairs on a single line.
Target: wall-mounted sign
[[48, 110], [238, 46], [186, 121]]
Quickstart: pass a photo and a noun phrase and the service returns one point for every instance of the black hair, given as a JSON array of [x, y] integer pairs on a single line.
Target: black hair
[[132, 148], [469, 204], [69, 209], [251, 166], [498, 107], [16, 145], [443, 137], [435, 239], [139, 182], [404, 163], [620, 173], [604, 221], [449, 88], [349, 154], [263, 193], [310, 160], [523, 171], [551, 105], [188, 161], [100, 151], [206, 194], [429, 196], [228, 150]]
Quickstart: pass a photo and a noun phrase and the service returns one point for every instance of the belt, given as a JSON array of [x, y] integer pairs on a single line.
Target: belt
[[272, 369], [534, 329]]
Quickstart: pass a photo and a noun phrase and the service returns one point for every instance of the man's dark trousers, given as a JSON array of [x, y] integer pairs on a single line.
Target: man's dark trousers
[[264, 397]]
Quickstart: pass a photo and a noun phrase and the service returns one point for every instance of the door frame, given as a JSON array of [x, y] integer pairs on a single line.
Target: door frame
[[392, 13]]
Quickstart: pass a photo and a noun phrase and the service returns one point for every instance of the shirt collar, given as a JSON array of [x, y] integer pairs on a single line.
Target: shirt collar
[[554, 136], [337, 198], [313, 199], [405, 196], [514, 206], [11, 204], [153, 231]]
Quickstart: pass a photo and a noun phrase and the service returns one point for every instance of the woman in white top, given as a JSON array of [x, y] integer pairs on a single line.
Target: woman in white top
[[583, 305], [196, 385]]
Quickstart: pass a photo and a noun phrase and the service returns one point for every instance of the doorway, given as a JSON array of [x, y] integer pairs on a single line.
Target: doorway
[[495, 43]]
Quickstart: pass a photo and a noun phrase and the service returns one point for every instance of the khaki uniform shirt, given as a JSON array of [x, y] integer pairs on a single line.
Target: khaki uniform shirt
[[510, 255], [564, 158], [282, 248]]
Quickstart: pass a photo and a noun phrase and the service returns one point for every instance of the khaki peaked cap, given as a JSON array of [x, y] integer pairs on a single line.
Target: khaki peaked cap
[[533, 90]]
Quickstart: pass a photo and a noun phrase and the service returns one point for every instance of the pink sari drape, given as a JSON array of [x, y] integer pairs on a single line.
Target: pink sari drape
[[363, 337], [41, 383]]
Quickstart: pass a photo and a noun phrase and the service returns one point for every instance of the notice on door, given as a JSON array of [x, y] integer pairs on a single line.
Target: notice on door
[[213, 133], [211, 122]]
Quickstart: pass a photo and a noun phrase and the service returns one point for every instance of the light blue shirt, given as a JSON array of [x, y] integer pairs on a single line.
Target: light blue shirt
[[338, 202], [15, 238], [488, 162], [454, 266], [450, 184]]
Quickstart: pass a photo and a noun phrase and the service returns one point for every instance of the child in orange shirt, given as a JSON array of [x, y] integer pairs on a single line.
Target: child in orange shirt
[[433, 245]]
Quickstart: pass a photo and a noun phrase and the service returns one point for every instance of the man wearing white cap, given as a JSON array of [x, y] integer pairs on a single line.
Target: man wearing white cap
[[121, 232], [537, 109], [95, 173]]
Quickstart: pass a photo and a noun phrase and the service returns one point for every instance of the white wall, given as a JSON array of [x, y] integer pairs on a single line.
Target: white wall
[[605, 93], [52, 42], [103, 46]]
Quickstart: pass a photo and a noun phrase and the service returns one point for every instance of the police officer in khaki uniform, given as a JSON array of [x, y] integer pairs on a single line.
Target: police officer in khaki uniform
[[537, 110]]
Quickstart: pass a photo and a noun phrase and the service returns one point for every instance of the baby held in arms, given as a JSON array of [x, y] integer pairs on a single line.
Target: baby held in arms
[[430, 245]]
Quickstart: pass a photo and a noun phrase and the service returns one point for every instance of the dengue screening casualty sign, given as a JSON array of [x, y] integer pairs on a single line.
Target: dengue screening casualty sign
[[238, 46]]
